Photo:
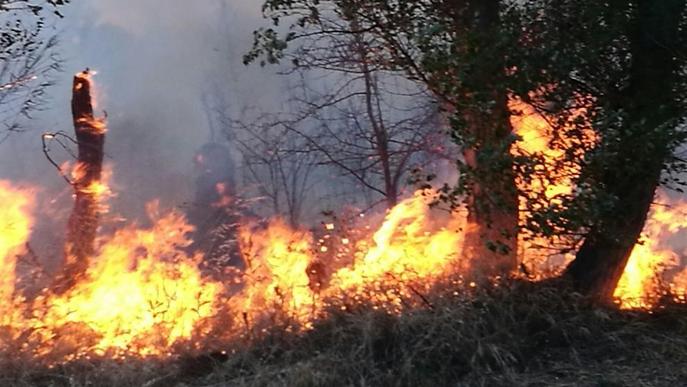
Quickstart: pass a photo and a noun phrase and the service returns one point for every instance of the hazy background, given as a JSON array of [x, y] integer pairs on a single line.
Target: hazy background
[[155, 59]]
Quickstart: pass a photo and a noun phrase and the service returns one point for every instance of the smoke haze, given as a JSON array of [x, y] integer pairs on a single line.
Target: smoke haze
[[155, 59]]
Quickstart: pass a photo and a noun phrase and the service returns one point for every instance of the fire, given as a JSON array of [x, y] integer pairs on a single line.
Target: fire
[[96, 125], [142, 293], [15, 228], [640, 286], [98, 189], [15, 221], [277, 259], [409, 246], [225, 197], [537, 135]]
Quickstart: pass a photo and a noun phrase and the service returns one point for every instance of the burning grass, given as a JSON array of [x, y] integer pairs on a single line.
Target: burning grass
[[366, 303], [513, 334], [144, 296]]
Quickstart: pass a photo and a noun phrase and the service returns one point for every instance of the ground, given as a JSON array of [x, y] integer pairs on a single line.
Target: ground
[[517, 334]]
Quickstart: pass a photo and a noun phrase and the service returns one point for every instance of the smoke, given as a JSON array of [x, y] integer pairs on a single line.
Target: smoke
[[155, 59]]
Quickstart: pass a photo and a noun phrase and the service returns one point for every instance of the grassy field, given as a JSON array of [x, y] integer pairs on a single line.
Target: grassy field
[[518, 334]]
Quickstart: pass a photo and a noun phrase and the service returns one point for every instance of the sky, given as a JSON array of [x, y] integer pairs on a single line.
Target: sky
[[154, 60]]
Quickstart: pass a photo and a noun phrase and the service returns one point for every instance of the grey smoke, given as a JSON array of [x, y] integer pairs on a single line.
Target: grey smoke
[[155, 59]]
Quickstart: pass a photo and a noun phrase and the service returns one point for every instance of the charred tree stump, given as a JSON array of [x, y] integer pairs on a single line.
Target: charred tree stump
[[83, 222]]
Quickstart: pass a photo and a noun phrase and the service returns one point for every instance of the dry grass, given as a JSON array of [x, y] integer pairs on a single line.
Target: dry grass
[[515, 335]]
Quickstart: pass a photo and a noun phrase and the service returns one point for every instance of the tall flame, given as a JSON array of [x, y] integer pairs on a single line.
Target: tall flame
[[640, 286], [537, 135], [409, 248], [276, 276], [144, 294], [410, 245], [141, 294], [15, 227]]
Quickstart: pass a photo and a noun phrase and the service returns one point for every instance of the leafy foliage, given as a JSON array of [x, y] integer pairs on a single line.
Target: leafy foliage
[[572, 61]]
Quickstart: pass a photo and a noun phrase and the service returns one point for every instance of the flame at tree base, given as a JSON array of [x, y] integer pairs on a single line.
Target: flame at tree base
[[144, 295], [140, 295]]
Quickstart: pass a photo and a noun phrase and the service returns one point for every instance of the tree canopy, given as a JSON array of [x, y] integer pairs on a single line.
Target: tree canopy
[[609, 78]]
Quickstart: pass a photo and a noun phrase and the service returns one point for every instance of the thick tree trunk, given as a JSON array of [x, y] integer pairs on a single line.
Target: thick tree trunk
[[644, 146], [83, 222], [491, 235], [601, 260], [491, 238]]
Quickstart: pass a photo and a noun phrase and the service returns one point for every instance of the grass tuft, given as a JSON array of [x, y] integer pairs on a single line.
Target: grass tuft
[[515, 334]]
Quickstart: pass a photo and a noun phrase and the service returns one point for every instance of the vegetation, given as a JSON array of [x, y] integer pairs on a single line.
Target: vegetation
[[621, 78], [610, 76], [515, 335], [28, 59]]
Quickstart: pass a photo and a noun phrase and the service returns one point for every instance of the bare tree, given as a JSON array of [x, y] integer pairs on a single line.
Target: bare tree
[[370, 124], [27, 60], [456, 50], [279, 165]]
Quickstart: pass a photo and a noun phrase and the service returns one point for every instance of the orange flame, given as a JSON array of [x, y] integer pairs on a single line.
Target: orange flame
[[409, 246], [141, 295], [144, 294], [15, 228], [276, 274], [640, 286], [537, 133]]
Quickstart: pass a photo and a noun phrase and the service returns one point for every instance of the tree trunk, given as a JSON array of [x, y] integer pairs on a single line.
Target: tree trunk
[[635, 172], [491, 237], [83, 222], [601, 260], [379, 131]]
